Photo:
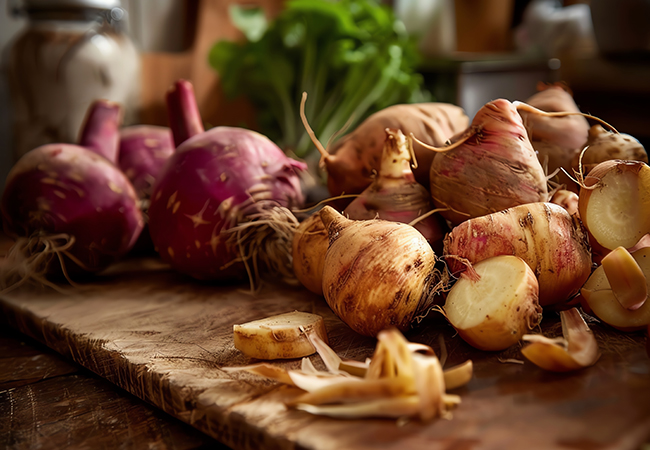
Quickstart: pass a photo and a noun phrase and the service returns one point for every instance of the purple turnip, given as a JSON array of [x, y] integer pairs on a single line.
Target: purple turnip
[[70, 210], [220, 208]]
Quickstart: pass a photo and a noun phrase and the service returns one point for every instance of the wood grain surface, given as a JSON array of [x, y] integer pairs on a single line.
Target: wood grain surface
[[47, 403], [165, 338]]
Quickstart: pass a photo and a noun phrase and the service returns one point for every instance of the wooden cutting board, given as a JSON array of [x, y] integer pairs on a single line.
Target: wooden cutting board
[[166, 338]]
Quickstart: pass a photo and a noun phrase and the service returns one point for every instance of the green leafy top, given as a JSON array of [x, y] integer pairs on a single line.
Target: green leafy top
[[352, 57]]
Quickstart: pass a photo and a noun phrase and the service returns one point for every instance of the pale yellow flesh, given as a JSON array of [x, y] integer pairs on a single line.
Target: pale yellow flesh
[[494, 312], [626, 278], [618, 212], [577, 350], [284, 336], [600, 297]]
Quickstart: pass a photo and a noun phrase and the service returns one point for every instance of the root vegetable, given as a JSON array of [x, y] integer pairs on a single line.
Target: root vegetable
[[219, 210], [378, 274], [490, 167], [143, 151], [356, 157], [615, 203], [601, 300], [553, 243], [284, 336], [71, 210], [395, 195], [603, 145], [567, 200], [495, 310], [556, 139], [576, 350], [309, 245]]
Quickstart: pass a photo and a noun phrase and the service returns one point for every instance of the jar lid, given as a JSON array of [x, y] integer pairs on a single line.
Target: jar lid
[[49, 4]]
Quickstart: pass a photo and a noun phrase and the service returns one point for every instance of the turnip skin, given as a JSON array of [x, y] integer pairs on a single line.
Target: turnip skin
[[309, 246], [67, 189], [216, 180], [493, 169], [553, 243]]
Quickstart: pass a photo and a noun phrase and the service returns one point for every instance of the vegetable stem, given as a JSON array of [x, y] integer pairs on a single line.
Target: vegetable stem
[[184, 117]]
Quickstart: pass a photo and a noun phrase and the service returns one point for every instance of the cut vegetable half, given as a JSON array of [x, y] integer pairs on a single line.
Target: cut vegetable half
[[626, 278]]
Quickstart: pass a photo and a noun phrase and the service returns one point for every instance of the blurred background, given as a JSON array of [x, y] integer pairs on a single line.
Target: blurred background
[[58, 54]]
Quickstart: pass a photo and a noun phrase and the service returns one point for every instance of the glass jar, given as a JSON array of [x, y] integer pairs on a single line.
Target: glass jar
[[71, 53]]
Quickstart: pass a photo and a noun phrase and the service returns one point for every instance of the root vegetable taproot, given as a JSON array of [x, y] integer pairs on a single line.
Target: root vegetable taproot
[[603, 145], [553, 243], [283, 336], [308, 248], [489, 167], [566, 199], [395, 195], [615, 203], [378, 274], [577, 348], [495, 308]]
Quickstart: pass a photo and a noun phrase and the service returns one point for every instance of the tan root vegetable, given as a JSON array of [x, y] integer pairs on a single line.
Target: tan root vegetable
[[615, 203], [626, 278], [553, 243], [356, 157], [401, 380], [395, 195], [600, 299], [310, 242], [490, 167], [603, 145], [378, 274], [284, 336], [576, 350], [556, 139], [495, 310], [567, 200]]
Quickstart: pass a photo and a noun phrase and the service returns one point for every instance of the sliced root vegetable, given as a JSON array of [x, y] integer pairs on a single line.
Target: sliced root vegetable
[[600, 299], [401, 380], [284, 336], [495, 311], [553, 243], [615, 203], [576, 350], [626, 278], [309, 245], [378, 274]]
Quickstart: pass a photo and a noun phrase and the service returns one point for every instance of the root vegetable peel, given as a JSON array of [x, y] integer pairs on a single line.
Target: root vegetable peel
[[577, 348]]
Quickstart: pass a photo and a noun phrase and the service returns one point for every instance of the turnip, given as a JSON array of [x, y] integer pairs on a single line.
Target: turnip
[[309, 245], [395, 195], [490, 167], [70, 210], [143, 152], [553, 243], [496, 307], [377, 274], [219, 209], [354, 159], [603, 145], [614, 203], [556, 139]]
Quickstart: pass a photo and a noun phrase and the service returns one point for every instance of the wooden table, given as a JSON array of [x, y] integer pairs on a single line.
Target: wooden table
[[165, 338]]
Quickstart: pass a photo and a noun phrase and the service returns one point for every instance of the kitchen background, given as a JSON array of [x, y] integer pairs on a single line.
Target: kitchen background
[[473, 51]]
